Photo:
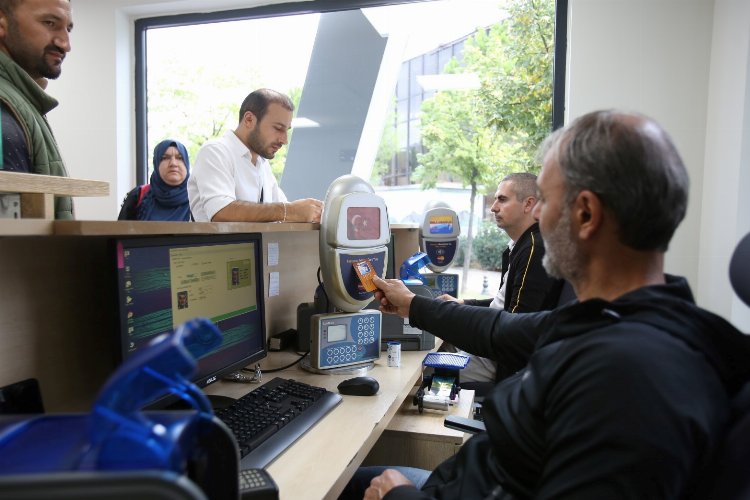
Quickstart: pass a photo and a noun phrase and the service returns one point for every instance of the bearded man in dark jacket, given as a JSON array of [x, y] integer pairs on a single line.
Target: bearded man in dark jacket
[[34, 40], [623, 394]]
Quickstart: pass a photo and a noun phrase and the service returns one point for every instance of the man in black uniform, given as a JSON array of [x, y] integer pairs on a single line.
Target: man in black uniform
[[623, 394], [525, 286]]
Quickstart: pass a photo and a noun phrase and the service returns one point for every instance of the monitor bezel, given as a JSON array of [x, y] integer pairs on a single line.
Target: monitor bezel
[[140, 241]]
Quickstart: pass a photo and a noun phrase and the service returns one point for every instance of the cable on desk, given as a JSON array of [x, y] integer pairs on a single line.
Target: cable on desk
[[282, 368], [238, 376], [257, 371], [323, 289]]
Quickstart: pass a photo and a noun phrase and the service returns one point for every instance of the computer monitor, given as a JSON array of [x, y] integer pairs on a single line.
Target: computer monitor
[[164, 281]]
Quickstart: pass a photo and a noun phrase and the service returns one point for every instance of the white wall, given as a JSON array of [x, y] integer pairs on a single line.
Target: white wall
[[684, 62], [725, 217], [650, 56]]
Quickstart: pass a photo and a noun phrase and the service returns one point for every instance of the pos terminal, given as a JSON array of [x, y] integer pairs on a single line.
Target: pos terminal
[[438, 238], [353, 246]]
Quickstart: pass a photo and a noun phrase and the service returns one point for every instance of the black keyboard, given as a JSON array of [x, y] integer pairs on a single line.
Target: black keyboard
[[267, 420]]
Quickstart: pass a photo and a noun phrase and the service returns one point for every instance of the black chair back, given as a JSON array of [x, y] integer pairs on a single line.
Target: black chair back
[[739, 269], [729, 478]]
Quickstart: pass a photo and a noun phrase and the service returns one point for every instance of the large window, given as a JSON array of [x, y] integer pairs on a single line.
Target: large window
[[378, 87]]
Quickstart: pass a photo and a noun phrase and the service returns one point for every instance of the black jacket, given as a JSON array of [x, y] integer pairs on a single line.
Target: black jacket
[[129, 208], [623, 399], [529, 288]]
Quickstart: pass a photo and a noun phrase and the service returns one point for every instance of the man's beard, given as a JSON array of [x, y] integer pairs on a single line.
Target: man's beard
[[256, 144], [34, 64], [561, 257]]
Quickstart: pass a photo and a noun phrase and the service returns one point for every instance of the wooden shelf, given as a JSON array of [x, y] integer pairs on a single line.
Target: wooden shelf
[[16, 182], [23, 227], [421, 440], [38, 192], [118, 228], [26, 227]]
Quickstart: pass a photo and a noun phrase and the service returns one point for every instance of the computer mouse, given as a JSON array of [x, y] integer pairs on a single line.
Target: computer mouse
[[359, 386]]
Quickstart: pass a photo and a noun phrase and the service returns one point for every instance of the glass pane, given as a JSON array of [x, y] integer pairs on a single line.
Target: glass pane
[[431, 63], [196, 84], [402, 110], [198, 75], [416, 68], [444, 55], [402, 89]]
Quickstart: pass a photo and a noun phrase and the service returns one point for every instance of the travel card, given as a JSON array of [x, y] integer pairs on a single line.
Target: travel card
[[366, 272]]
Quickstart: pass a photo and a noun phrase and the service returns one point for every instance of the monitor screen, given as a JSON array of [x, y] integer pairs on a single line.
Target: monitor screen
[[164, 281]]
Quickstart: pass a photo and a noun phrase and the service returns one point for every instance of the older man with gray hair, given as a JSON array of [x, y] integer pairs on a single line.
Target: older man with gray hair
[[623, 394]]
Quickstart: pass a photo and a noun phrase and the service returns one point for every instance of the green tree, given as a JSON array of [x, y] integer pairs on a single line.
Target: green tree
[[514, 60], [387, 148], [458, 145], [478, 136], [191, 105], [194, 105], [279, 160]]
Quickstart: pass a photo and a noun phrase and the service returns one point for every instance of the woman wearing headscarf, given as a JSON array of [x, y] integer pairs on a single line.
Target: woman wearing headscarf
[[165, 197]]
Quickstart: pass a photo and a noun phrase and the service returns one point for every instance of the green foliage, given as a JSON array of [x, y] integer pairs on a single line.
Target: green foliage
[[387, 149], [191, 105], [515, 62], [195, 104], [457, 141], [478, 136], [279, 160], [488, 246]]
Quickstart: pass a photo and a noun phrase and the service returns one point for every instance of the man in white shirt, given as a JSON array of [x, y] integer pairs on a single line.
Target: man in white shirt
[[232, 179]]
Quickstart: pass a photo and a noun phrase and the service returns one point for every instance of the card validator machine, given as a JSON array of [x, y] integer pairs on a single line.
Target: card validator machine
[[438, 238], [344, 339], [354, 237]]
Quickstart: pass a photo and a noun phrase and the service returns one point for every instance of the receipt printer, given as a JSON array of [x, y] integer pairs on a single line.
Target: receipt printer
[[396, 328], [191, 447]]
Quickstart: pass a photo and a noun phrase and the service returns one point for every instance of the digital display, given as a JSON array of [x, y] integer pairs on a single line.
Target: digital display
[[441, 224], [336, 333], [363, 223]]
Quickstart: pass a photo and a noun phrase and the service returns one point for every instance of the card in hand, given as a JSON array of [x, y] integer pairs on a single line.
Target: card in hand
[[366, 271]]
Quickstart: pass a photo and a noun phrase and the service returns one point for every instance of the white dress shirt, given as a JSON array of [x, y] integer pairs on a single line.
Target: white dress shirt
[[499, 301], [223, 172]]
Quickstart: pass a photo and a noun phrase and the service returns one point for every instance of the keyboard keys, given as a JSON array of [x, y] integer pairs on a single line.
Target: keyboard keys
[[271, 417]]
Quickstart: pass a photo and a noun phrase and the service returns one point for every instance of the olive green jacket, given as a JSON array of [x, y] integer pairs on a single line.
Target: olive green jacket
[[29, 103]]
